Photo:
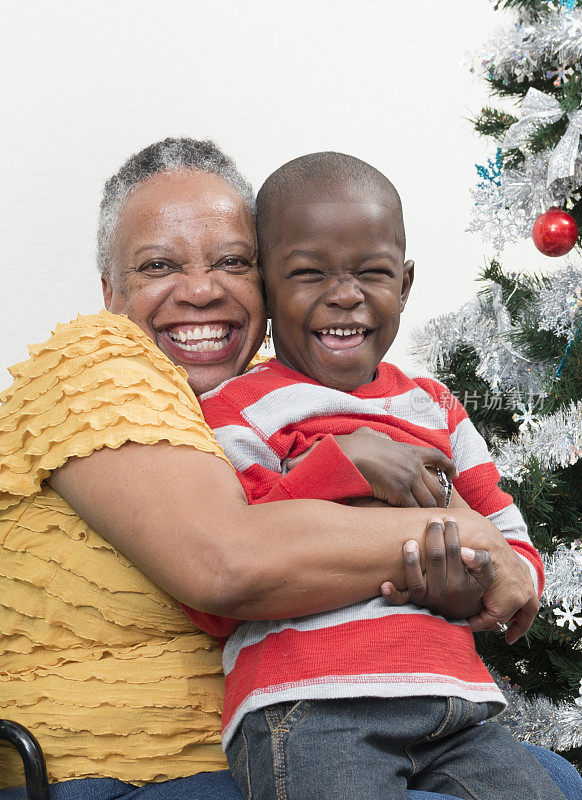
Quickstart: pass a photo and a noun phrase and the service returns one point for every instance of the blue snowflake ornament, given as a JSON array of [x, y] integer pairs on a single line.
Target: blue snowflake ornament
[[491, 174]]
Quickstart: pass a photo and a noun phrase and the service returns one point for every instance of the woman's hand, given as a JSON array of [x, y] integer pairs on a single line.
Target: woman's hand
[[399, 474], [510, 598], [455, 577]]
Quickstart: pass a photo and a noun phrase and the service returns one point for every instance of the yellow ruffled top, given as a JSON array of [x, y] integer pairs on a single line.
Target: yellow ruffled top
[[104, 667]]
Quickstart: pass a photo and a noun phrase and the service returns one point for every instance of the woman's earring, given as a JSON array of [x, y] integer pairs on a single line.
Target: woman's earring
[[267, 347]]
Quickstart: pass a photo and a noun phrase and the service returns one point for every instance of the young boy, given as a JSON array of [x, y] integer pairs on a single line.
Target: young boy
[[368, 700]]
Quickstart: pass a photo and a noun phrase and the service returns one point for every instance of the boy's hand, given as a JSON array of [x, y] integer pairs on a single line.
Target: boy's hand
[[455, 578], [399, 474]]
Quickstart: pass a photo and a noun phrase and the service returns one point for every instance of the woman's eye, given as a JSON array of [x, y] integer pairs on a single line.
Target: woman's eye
[[234, 264], [157, 267]]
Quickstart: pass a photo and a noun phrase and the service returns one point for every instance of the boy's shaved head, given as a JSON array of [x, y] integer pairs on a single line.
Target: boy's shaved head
[[331, 249], [324, 176]]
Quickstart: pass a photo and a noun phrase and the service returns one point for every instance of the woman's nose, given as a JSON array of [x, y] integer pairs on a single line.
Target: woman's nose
[[199, 288], [345, 294]]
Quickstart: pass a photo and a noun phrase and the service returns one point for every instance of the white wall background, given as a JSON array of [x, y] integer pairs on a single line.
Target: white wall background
[[87, 83]]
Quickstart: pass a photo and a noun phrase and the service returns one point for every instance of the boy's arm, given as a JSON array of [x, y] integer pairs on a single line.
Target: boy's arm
[[219, 627], [363, 464], [324, 474], [478, 485]]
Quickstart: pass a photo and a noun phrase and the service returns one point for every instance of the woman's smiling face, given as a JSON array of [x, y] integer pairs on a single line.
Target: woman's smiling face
[[184, 268]]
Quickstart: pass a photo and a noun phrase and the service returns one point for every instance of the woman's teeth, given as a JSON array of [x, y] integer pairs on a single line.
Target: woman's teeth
[[342, 331], [199, 339]]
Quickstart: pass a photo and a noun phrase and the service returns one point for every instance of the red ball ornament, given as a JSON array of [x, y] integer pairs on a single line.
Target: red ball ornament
[[555, 232]]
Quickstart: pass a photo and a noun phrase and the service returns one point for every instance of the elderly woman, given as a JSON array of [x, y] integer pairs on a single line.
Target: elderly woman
[[117, 503]]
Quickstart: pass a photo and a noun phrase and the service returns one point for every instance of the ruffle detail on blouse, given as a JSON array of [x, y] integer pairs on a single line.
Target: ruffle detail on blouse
[[104, 667], [98, 382], [100, 664]]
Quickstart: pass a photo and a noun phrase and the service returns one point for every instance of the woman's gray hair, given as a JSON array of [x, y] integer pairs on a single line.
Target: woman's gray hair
[[170, 155]]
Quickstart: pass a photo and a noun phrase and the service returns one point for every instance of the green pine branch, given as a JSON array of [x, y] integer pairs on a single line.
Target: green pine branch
[[492, 412], [570, 93], [547, 136], [565, 385], [513, 159], [511, 86], [531, 661], [543, 347], [537, 7], [576, 212], [551, 503], [492, 122], [517, 288]]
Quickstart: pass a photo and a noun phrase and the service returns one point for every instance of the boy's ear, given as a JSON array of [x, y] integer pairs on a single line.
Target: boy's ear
[[264, 288], [407, 279]]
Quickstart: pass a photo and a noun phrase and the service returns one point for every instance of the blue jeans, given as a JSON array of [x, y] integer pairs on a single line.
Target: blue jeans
[[220, 786], [358, 749]]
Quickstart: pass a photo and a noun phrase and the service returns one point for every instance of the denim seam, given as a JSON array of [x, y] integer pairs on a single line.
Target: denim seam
[[407, 747], [467, 712], [443, 726], [235, 766], [278, 754], [247, 770], [295, 720], [457, 781], [430, 737], [279, 730]]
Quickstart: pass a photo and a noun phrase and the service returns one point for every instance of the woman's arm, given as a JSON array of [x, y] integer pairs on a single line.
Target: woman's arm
[[182, 517]]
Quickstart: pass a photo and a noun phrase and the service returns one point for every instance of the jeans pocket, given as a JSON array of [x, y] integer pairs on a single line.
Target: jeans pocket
[[448, 721], [461, 714], [283, 716]]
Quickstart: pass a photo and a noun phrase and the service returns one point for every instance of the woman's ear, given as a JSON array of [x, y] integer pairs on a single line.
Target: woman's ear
[[407, 280], [107, 289]]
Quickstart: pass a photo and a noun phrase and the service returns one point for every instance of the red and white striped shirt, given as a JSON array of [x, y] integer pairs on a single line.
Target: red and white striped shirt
[[368, 649]]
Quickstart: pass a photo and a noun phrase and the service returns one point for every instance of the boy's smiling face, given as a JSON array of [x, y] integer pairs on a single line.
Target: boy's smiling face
[[336, 285]]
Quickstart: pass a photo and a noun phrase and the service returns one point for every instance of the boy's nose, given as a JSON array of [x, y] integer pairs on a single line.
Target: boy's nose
[[345, 294]]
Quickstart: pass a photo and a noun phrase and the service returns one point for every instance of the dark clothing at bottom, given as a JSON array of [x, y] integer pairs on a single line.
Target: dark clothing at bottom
[[220, 785], [363, 749]]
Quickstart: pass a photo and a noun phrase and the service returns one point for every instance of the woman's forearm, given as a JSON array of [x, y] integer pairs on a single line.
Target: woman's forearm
[[307, 556], [182, 517]]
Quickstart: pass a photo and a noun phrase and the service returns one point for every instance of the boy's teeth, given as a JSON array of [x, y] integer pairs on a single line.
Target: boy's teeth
[[342, 331]]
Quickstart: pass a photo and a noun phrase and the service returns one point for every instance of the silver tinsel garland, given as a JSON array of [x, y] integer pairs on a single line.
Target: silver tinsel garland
[[504, 213], [557, 305], [484, 324], [516, 53], [506, 209], [539, 721], [555, 441], [507, 202], [563, 578]]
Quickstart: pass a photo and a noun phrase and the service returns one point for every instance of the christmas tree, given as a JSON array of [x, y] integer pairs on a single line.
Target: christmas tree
[[513, 355]]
